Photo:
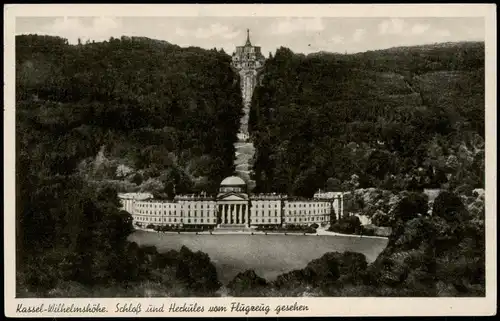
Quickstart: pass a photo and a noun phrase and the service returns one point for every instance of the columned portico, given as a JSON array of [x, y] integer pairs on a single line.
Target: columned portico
[[233, 213], [232, 204]]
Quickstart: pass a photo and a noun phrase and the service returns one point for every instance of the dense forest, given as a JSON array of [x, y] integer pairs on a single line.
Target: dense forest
[[139, 114], [397, 119], [160, 114], [166, 116]]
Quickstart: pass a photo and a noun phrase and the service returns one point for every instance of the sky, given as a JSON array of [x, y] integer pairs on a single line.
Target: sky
[[300, 34]]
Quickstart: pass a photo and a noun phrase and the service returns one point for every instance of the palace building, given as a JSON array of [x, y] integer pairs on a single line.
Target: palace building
[[235, 207], [232, 208]]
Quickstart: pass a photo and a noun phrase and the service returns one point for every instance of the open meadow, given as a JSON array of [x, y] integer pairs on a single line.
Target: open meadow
[[268, 255]]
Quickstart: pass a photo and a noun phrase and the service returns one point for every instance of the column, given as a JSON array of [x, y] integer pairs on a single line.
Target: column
[[247, 215], [230, 213], [341, 199], [240, 213], [223, 216]]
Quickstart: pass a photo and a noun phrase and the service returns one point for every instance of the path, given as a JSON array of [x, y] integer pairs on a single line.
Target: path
[[319, 232], [245, 152]]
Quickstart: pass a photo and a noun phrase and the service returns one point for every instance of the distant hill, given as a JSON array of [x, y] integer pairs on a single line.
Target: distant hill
[[141, 114], [165, 117], [394, 117]]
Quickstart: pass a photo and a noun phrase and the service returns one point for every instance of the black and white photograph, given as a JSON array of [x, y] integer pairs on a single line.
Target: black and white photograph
[[249, 156]]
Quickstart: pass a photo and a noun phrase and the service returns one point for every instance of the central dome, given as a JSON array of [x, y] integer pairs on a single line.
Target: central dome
[[232, 181]]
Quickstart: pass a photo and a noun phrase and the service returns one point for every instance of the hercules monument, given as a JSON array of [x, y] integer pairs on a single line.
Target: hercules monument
[[247, 61]]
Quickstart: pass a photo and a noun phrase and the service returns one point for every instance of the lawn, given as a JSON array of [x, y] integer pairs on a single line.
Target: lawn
[[268, 255]]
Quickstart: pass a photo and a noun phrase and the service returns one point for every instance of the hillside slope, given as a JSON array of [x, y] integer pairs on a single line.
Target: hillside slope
[[400, 118], [156, 111]]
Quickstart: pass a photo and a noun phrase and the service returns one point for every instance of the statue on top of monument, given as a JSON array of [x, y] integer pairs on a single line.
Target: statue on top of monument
[[248, 43]]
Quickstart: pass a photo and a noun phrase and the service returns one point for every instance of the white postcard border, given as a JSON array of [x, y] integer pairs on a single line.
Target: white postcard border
[[318, 306]]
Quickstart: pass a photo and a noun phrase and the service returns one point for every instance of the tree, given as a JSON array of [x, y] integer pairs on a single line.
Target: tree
[[333, 185], [347, 225], [197, 271], [333, 217], [411, 206], [449, 207]]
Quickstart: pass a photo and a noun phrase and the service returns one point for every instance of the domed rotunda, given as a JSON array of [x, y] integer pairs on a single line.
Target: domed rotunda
[[233, 184], [232, 203]]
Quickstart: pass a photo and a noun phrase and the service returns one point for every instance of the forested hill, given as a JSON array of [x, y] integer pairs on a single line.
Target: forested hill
[[164, 117], [158, 117], [401, 118]]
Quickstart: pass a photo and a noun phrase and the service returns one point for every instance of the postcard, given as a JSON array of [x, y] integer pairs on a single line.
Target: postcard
[[250, 160]]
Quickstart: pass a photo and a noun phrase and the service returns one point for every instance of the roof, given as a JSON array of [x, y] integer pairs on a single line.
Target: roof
[[232, 180], [135, 196]]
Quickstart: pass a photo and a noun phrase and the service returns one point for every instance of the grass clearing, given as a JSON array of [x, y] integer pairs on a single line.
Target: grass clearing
[[268, 255]]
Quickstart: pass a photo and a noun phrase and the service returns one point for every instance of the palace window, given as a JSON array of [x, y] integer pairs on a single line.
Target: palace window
[[189, 220], [201, 220]]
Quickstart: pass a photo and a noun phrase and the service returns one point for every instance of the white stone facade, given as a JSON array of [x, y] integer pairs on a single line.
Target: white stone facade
[[231, 207], [157, 212], [307, 212]]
